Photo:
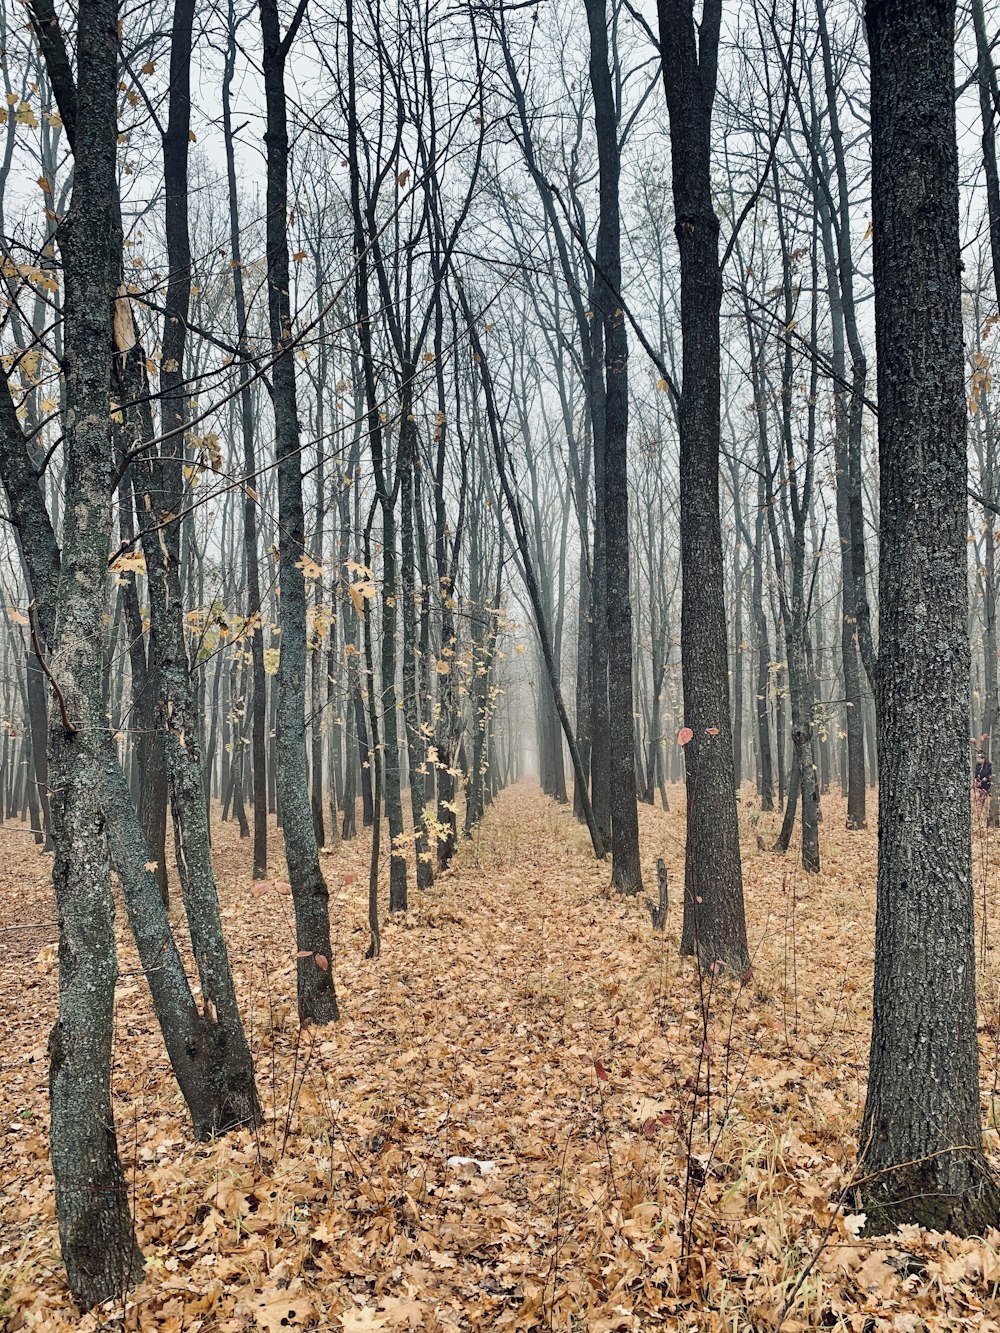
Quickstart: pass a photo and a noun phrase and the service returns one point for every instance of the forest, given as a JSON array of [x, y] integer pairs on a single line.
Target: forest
[[499, 558]]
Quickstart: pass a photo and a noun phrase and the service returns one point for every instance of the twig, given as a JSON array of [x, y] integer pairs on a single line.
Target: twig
[[68, 726], [759, 190]]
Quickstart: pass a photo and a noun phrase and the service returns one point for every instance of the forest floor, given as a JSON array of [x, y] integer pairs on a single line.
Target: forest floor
[[633, 1167]]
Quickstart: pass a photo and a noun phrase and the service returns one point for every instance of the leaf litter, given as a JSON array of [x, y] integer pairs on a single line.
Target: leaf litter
[[531, 1116]]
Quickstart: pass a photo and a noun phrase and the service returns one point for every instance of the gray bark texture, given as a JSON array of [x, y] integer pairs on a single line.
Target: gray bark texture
[[921, 1138], [258, 745], [317, 1000], [714, 922], [161, 494], [626, 872], [92, 1206]]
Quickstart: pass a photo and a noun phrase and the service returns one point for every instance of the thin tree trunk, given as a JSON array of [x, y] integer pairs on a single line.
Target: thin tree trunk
[[317, 1000], [386, 496], [37, 726], [258, 703], [626, 871], [766, 782], [847, 427], [415, 745], [152, 788]]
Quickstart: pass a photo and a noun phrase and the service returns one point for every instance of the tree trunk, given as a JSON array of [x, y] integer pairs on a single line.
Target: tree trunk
[[152, 792], [766, 773], [446, 556], [988, 96], [847, 424], [37, 726], [92, 1197], [714, 922], [389, 773], [921, 1138], [177, 709], [416, 748], [258, 704], [626, 872], [316, 997]]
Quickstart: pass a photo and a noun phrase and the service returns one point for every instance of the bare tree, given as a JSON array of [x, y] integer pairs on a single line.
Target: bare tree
[[714, 924], [317, 999]]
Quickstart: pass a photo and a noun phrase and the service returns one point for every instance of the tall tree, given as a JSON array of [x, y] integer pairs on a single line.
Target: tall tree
[[921, 1138], [849, 407], [191, 1036], [258, 731], [317, 999], [160, 486], [92, 1204], [364, 208], [626, 873], [714, 922]]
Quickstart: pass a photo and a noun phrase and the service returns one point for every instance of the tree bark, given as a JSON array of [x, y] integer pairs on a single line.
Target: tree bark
[[178, 714], [626, 871], [714, 921], [389, 769], [317, 1000], [413, 705], [37, 726], [92, 1205], [921, 1137], [258, 736], [988, 100], [849, 405]]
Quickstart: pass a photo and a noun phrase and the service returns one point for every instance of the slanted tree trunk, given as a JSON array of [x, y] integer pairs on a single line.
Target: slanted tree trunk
[[921, 1137], [230, 1067], [161, 476], [37, 726], [152, 792], [714, 922], [188, 1034], [316, 996]]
